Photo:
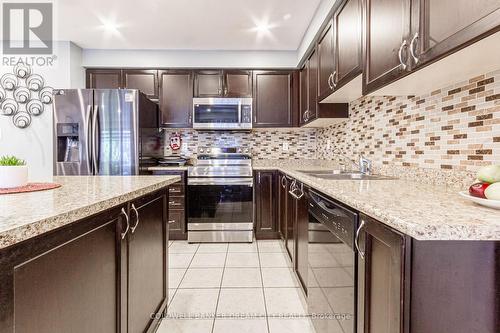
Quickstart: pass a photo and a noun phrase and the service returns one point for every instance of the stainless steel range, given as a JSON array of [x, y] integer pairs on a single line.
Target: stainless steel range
[[220, 196]]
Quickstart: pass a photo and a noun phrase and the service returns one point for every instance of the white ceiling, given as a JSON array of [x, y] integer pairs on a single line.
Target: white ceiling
[[184, 24]]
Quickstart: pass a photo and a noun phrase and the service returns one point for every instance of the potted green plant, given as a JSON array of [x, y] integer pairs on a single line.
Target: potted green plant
[[13, 172]]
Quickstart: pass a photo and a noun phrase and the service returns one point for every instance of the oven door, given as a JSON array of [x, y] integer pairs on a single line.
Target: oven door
[[220, 204], [216, 113]]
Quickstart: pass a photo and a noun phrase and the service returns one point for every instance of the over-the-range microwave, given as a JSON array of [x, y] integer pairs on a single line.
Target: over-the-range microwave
[[222, 113]]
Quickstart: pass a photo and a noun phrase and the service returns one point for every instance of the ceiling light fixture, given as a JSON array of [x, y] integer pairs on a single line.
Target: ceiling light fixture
[[287, 16]]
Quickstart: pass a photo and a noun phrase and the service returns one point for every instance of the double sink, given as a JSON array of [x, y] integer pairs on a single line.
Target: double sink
[[340, 175]]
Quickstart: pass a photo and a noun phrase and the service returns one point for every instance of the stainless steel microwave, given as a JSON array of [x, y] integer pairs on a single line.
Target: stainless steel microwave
[[222, 113]]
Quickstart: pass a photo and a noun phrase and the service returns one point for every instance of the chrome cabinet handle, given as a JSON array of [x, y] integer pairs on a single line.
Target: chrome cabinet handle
[[225, 91], [334, 80], [292, 191], [132, 229], [171, 221], [283, 182], [123, 234], [356, 239], [412, 48], [404, 44], [330, 82], [173, 203]]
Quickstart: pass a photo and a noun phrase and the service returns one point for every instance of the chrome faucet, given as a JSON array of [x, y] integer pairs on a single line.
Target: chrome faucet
[[365, 165], [339, 153]]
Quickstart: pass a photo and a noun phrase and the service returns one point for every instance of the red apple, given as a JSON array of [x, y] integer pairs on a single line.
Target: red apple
[[477, 190]]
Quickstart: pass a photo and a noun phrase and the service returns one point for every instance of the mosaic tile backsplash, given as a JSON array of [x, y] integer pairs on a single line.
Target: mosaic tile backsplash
[[265, 144], [455, 128]]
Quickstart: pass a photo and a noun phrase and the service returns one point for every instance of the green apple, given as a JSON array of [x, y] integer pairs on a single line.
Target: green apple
[[489, 174], [492, 192]]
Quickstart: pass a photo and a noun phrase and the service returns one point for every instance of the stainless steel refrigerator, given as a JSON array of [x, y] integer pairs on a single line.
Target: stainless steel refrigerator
[[98, 131]]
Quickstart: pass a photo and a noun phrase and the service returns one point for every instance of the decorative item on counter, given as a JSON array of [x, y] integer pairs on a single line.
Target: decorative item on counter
[[31, 187], [486, 191], [175, 141], [23, 95], [13, 172]]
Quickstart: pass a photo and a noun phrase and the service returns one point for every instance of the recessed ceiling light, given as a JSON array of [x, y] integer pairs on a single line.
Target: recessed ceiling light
[[287, 16], [110, 26], [263, 27]]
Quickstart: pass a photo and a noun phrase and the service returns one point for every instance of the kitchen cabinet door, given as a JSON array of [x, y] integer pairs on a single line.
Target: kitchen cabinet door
[[302, 228], [290, 222], [266, 226], [65, 281], [387, 32], [104, 79], [347, 42], [381, 278], [309, 89], [176, 98], [282, 200], [147, 261], [304, 93], [275, 98], [326, 62], [443, 26], [237, 83], [208, 83], [146, 80]]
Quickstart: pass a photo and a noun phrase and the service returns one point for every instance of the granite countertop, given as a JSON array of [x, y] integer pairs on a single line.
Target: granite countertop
[[26, 215], [422, 211]]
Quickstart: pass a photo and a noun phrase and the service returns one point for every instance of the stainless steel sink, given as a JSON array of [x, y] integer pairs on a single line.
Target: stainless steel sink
[[338, 175]]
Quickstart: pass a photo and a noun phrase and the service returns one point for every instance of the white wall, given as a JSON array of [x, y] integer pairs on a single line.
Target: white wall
[[34, 144], [189, 58]]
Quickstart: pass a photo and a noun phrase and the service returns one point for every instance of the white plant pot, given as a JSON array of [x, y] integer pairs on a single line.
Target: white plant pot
[[13, 176]]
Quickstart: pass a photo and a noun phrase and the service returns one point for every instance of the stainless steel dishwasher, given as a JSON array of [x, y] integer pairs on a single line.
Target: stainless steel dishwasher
[[332, 258]]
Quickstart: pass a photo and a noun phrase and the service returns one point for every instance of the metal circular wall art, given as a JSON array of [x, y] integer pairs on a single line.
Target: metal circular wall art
[[23, 94]]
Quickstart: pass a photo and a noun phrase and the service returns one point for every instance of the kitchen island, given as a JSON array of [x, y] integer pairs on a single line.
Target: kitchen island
[[90, 256]]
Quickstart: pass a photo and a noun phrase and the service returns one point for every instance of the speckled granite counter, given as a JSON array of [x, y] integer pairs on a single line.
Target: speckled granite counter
[[26, 215], [422, 211]]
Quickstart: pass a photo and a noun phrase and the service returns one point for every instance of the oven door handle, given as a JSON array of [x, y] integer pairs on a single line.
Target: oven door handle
[[221, 181]]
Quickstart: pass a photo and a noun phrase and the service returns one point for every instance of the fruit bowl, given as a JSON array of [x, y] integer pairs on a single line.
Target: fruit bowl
[[483, 202]]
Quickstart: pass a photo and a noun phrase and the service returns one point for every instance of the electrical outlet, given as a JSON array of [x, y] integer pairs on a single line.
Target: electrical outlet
[[329, 144], [286, 146]]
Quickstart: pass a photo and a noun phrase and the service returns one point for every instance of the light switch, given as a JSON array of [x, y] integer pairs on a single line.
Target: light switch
[[328, 144], [286, 146]]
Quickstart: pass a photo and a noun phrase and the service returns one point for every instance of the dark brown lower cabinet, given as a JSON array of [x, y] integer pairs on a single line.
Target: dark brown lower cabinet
[[266, 222], [411, 286], [290, 221], [84, 277], [282, 200], [301, 213]]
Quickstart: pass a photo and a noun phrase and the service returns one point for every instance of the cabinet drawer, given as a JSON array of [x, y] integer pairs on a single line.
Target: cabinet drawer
[[176, 219], [176, 202], [176, 189]]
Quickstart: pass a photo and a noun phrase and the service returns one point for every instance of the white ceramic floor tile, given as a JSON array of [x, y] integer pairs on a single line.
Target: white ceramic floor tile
[[270, 246], [328, 325], [202, 278], [240, 326], [242, 260], [302, 325], [185, 326], [175, 276], [333, 277], [340, 299], [243, 247], [179, 260], [285, 302], [241, 278], [279, 277], [182, 247], [171, 293], [194, 303], [208, 260], [322, 259], [213, 248], [274, 260], [241, 302]]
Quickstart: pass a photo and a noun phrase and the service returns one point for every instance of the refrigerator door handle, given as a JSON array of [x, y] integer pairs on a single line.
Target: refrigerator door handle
[[88, 134], [95, 140]]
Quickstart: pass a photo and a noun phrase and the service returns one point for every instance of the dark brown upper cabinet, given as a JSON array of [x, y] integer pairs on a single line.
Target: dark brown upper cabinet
[[176, 98], [104, 79], [146, 80], [441, 27], [309, 89], [386, 42], [276, 96], [208, 83], [347, 41], [223, 83], [266, 221], [237, 83], [326, 61]]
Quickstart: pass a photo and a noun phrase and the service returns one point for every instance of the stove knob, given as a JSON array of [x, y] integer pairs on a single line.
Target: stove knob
[[247, 150], [201, 150]]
